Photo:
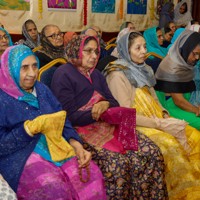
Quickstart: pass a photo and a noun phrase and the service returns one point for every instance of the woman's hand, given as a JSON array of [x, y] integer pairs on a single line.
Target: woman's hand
[[99, 108], [83, 155]]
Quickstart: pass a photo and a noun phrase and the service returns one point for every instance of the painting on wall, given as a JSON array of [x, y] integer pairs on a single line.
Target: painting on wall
[[62, 4], [137, 7], [15, 5], [103, 6]]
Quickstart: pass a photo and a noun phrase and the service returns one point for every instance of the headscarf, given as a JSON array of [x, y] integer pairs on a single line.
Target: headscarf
[[182, 19], [10, 66], [139, 75], [150, 36], [68, 36], [9, 37], [29, 41], [166, 14], [177, 33], [174, 67], [120, 34], [74, 51], [50, 50]]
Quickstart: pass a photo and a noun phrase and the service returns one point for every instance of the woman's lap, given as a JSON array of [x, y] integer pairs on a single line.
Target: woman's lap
[[127, 175]]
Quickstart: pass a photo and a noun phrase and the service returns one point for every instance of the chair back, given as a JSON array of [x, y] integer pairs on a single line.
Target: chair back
[[47, 71]]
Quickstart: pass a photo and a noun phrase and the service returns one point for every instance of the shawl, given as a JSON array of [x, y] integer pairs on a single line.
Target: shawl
[[10, 66], [9, 37], [139, 75], [29, 42], [166, 14], [74, 51], [150, 36], [49, 50], [120, 34], [182, 19], [174, 67]]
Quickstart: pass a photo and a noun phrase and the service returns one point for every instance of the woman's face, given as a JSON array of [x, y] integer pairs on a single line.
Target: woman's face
[[28, 73], [138, 50], [194, 56], [160, 37], [131, 26], [168, 36], [32, 31], [172, 27], [182, 9], [90, 55], [4, 41], [54, 35]]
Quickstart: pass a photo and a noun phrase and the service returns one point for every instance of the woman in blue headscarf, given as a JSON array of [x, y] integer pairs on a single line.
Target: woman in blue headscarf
[[5, 40], [154, 41], [41, 155]]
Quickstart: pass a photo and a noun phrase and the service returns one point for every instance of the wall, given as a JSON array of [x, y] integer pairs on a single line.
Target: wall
[[73, 20]]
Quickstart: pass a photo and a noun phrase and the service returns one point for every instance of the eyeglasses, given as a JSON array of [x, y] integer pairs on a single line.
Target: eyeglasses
[[55, 36], [6, 37], [90, 51]]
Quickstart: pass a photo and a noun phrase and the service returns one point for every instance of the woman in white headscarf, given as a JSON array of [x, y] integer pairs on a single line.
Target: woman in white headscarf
[[182, 14]]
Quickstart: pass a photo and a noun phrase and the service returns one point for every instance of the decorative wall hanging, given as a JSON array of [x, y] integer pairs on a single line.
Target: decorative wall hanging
[[85, 9], [103, 6], [15, 5], [137, 7], [62, 5]]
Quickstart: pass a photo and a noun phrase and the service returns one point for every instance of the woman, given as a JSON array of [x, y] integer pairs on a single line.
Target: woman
[[182, 14], [175, 77], [154, 41], [131, 82], [36, 158], [168, 34], [5, 40], [83, 92], [175, 36], [30, 33], [52, 43]]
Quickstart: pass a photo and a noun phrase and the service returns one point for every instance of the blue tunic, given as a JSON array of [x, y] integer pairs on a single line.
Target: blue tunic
[[15, 144]]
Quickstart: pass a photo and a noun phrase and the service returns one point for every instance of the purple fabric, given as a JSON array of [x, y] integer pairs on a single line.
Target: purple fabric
[[43, 180], [74, 90]]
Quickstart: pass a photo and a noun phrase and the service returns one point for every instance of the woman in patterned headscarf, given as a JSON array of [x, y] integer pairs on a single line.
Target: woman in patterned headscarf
[[37, 143], [131, 82], [52, 43], [128, 159]]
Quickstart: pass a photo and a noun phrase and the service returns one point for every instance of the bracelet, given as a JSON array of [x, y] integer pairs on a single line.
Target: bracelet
[[81, 176]]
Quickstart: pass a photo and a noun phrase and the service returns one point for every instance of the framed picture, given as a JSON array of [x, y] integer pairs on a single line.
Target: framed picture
[[60, 5]]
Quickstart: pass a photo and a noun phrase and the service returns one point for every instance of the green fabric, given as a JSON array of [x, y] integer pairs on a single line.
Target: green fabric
[[150, 36], [176, 112]]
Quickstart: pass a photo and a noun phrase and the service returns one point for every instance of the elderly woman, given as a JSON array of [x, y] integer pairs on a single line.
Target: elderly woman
[[52, 43], [175, 78], [37, 143], [5, 40], [30, 33], [131, 82], [132, 165]]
